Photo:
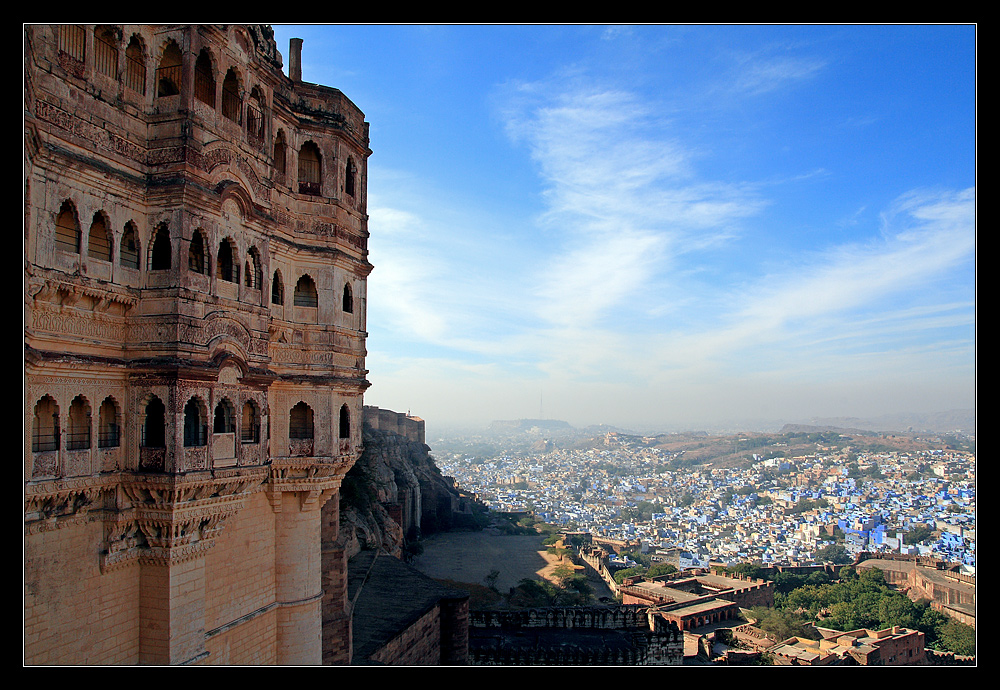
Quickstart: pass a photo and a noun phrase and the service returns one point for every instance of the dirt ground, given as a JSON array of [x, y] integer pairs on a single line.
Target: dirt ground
[[470, 556]]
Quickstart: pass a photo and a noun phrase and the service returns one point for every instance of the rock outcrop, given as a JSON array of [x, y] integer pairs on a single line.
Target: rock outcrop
[[395, 494]]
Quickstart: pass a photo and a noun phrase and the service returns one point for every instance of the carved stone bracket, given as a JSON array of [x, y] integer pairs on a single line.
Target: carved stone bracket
[[313, 480], [53, 504], [178, 518]]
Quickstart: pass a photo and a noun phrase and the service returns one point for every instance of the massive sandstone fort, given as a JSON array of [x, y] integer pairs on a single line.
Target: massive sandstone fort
[[195, 265]]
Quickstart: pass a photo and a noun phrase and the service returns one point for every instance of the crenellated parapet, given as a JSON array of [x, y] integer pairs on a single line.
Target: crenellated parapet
[[592, 636]]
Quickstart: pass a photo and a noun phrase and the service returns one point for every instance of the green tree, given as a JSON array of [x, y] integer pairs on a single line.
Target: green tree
[[957, 637], [629, 572], [918, 534], [660, 569], [780, 624], [491, 580], [833, 553], [754, 572]]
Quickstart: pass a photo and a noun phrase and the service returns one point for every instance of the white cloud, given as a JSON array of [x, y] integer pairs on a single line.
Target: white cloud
[[600, 304], [622, 195], [758, 74]]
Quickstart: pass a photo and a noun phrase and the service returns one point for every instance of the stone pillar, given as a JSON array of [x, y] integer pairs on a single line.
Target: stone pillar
[[172, 611], [455, 632], [298, 582], [337, 647]]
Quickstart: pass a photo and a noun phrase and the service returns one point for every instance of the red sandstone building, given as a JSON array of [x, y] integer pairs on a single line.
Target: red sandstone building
[[888, 647], [195, 266], [690, 601]]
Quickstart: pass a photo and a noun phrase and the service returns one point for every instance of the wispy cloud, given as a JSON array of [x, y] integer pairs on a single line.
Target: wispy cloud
[[759, 73], [626, 278], [622, 195]]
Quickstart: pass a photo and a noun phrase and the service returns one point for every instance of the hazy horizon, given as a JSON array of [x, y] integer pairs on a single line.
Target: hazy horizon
[[676, 225]]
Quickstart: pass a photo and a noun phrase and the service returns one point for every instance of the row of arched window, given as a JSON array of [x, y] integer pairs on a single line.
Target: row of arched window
[[310, 170], [251, 114], [306, 294], [46, 434], [168, 74], [69, 238], [224, 421], [227, 265]]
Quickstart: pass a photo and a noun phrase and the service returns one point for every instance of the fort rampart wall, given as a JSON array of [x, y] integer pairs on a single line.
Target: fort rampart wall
[[407, 426]]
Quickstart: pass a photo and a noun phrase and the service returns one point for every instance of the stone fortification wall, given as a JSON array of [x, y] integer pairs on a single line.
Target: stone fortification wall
[[605, 617], [407, 426], [587, 636]]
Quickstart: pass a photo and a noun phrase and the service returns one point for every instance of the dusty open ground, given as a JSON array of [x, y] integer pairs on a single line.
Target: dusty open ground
[[470, 556]]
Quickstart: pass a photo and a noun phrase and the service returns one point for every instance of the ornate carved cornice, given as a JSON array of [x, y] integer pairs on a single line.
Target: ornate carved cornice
[[56, 293], [150, 518], [54, 504]]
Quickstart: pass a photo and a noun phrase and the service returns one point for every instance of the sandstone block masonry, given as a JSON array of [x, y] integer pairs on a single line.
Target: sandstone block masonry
[[195, 271]]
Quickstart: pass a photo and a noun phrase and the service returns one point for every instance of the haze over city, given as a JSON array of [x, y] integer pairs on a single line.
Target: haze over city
[[664, 225]]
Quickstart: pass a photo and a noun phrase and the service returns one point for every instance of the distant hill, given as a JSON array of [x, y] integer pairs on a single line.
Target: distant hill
[[528, 424], [939, 422]]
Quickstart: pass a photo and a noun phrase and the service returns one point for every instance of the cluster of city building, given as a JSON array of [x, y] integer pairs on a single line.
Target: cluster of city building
[[774, 511]]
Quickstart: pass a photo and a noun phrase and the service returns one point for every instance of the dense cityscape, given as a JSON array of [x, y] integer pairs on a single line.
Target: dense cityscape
[[767, 505]]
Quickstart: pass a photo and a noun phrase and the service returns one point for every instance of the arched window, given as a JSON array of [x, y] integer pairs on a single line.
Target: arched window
[[255, 117], [196, 253], [204, 79], [252, 270], [225, 418], [345, 421], [99, 241], [168, 74], [195, 429], [128, 250], [159, 259], [348, 299], [280, 154], [228, 269], [73, 41], [154, 426], [250, 423], [310, 169], [277, 289], [108, 431], [305, 293], [67, 229], [78, 437], [45, 425], [105, 52], [300, 422], [349, 177], [231, 104], [135, 67]]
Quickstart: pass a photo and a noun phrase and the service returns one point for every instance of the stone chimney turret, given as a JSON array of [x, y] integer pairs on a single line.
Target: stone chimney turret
[[295, 59]]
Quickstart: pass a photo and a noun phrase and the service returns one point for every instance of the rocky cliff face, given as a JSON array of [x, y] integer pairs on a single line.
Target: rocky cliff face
[[395, 494]]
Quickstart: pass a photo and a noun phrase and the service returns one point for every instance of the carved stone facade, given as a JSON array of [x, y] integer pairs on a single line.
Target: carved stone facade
[[195, 268]]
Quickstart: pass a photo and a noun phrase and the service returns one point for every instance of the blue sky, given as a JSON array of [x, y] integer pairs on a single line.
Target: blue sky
[[664, 226]]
